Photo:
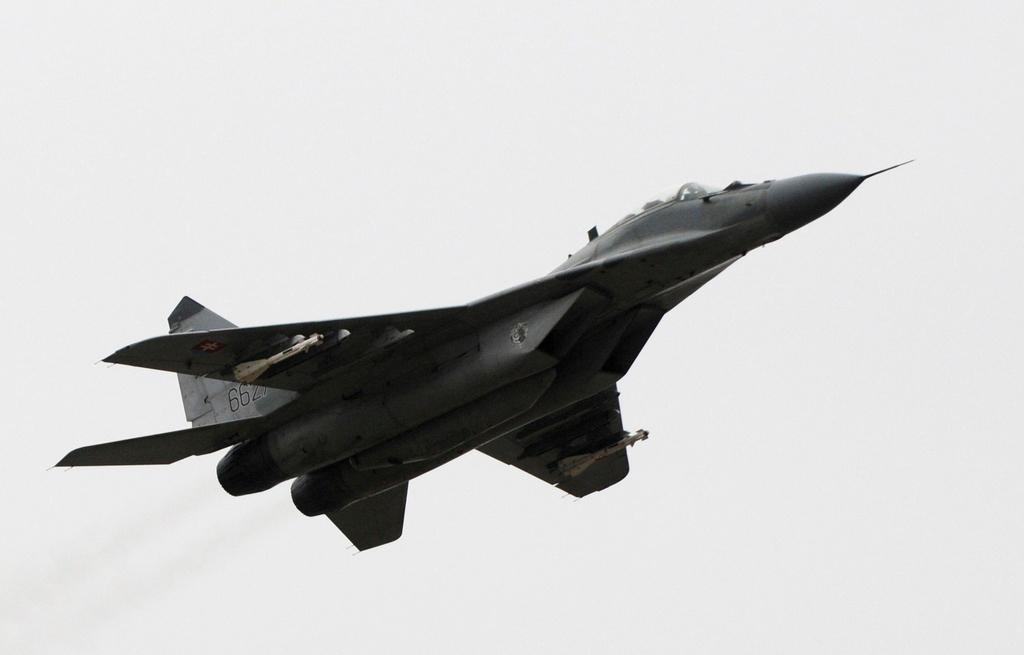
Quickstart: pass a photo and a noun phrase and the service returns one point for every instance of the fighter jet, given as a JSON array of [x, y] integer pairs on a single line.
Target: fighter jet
[[353, 409]]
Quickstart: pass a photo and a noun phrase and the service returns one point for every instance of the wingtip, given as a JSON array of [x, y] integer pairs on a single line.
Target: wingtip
[[67, 460], [116, 356]]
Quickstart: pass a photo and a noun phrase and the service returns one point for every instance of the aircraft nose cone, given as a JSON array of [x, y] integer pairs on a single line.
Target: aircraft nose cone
[[796, 201]]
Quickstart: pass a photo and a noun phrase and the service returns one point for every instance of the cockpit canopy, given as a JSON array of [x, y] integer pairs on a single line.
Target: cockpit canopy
[[689, 191], [692, 190]]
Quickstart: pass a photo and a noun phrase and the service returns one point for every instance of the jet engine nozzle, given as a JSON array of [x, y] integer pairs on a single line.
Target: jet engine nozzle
[[248, 468], [796, 201], [324, 491]]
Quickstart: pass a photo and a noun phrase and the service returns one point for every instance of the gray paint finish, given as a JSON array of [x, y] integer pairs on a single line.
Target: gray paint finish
[[527, 376]]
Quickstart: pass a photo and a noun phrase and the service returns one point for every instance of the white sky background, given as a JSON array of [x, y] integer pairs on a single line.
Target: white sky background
[[835, 461]]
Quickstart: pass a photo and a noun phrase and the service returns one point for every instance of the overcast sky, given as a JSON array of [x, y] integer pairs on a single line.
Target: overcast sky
[[836, 434]]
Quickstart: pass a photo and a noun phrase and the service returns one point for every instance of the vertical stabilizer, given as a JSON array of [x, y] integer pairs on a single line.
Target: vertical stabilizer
[[209, 401], [189, 316]]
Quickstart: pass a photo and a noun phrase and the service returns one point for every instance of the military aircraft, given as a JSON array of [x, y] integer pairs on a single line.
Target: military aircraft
[[353, 409]]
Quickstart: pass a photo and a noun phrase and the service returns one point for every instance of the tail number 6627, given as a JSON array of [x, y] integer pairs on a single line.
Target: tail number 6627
[[241, 395]]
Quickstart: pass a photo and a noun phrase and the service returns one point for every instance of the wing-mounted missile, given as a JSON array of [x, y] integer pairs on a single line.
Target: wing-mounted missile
[[575, 464], [249, 372]]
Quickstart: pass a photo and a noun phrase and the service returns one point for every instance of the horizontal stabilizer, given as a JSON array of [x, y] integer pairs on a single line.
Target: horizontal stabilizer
[[373, 521], [164, 448]]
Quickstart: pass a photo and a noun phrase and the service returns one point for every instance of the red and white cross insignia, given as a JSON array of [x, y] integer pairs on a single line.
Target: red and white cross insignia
[[208, 346]]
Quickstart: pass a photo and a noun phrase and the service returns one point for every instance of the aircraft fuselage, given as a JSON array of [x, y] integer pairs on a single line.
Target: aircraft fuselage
[[527, 364]]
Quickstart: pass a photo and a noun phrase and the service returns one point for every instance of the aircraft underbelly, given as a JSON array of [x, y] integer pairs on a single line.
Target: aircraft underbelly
[[472, 390]]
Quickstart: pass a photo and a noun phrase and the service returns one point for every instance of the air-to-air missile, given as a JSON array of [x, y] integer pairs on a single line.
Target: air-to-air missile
[[248, 372]]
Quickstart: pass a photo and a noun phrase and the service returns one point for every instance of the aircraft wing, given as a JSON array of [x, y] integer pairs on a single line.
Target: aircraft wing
[[165, 448], [216, 353], [355, 344], [586, 434], [373, 521]]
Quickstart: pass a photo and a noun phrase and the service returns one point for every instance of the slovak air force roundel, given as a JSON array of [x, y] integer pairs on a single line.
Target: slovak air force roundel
[[518, 334]]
